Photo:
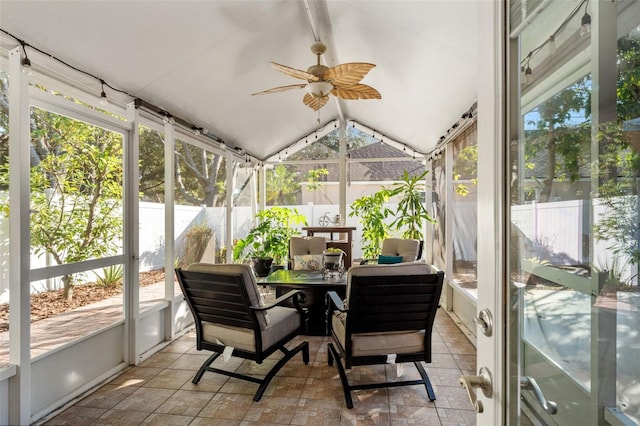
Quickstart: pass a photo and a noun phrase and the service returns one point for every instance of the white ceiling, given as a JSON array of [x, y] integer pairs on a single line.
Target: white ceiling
[[201, 60]]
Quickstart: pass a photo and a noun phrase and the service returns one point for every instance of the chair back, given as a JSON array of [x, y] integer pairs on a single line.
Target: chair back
[[383, 298], [409, 249], [222, 294], [305, 246]]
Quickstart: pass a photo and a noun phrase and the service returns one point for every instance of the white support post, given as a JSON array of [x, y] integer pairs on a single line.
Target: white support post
[[229, 211], [169, 227], [448, 220], [262, 199], [491, 255], [131, 292], [343, 173], [604, 76], [427, 249], [19, 259]]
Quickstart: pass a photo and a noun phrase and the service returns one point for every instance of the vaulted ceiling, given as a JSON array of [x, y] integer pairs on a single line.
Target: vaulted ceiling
[[202, 60]]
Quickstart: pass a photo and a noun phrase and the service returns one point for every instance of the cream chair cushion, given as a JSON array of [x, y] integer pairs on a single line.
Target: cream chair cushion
[[301, 246], [407, 248]]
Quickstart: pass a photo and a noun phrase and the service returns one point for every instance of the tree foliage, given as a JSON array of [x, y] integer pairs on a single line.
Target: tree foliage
[[76, 190]]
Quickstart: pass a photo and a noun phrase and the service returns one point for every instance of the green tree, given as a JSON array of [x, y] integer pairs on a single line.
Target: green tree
[[200, 176], [151, 165], [282, 185], [466, 167], [556, 146]]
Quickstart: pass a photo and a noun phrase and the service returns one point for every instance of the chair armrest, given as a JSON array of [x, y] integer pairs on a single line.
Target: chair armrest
[[334, 300], [279, 301]]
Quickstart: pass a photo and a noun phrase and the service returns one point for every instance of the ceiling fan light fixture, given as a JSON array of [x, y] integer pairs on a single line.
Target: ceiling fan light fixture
[[319, 88]]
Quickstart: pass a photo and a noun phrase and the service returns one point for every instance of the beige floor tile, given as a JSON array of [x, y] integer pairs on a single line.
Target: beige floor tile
[[108, 396], [401, 415], [410, 395], [185, 403], [453, 397], [322, 389], [189, 362], [167, 419], [315, 412], [238, 386], [466, 362], [363, 414], [290, 387], [136, 376], [77, 416], [159, 391], [210, 382], [145, 399], [121, 418], [160, 360], [443, 376], [227, 406], [170, 379], [451, 417], [206, 421], [278, 410]]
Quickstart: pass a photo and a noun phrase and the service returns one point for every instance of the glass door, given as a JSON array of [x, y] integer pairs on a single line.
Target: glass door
[[573, 229]]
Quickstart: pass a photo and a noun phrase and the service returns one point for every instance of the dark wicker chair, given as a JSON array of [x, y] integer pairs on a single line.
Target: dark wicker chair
[[387, 317], [229, 315]]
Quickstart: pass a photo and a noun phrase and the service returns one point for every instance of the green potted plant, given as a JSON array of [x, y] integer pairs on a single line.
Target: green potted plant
[[411, 213], [408, 219], [371, 213], [332, 257], [267, 243]]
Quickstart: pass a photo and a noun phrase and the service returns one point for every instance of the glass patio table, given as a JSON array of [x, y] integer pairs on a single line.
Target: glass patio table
[[314, 289]]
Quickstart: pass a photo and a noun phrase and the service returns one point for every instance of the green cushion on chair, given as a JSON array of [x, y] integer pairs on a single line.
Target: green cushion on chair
[[388, 260]]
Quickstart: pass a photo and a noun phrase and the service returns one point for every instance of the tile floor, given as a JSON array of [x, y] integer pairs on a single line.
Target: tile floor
[[159, 391]]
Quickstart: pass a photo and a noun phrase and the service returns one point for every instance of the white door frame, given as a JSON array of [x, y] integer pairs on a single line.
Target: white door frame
[[491, 205]]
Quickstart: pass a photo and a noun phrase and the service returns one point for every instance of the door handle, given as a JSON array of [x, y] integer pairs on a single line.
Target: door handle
[[529, 383], [484, 381], [485, 322]]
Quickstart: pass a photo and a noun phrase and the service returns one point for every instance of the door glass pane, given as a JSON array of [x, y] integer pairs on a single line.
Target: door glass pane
[[200, 205], [151, 216], [76, 215], [244, 197], [4, 217], [574, 232], [439, 200], [464, 208]]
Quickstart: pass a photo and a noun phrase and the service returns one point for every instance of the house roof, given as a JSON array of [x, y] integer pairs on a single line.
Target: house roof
[[202, 60]]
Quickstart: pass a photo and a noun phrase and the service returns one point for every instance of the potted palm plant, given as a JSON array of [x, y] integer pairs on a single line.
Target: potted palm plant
[[408, 219], [267, 243], [411, 213]]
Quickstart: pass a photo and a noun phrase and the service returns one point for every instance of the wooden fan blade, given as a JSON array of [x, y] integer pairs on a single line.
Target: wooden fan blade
[[280, 89], [315, 102], [357, 91], [292, 72], [347, 74]]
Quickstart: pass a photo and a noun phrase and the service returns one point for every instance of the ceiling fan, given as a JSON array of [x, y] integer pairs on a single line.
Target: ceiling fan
[[342, 81]]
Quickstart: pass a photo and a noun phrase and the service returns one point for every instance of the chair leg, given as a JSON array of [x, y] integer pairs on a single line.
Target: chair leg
[[343, 375], [288, 354], [204, 367], [427, 382]]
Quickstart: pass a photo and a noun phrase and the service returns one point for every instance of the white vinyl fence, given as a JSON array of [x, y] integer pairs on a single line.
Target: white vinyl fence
[[554, 231]]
